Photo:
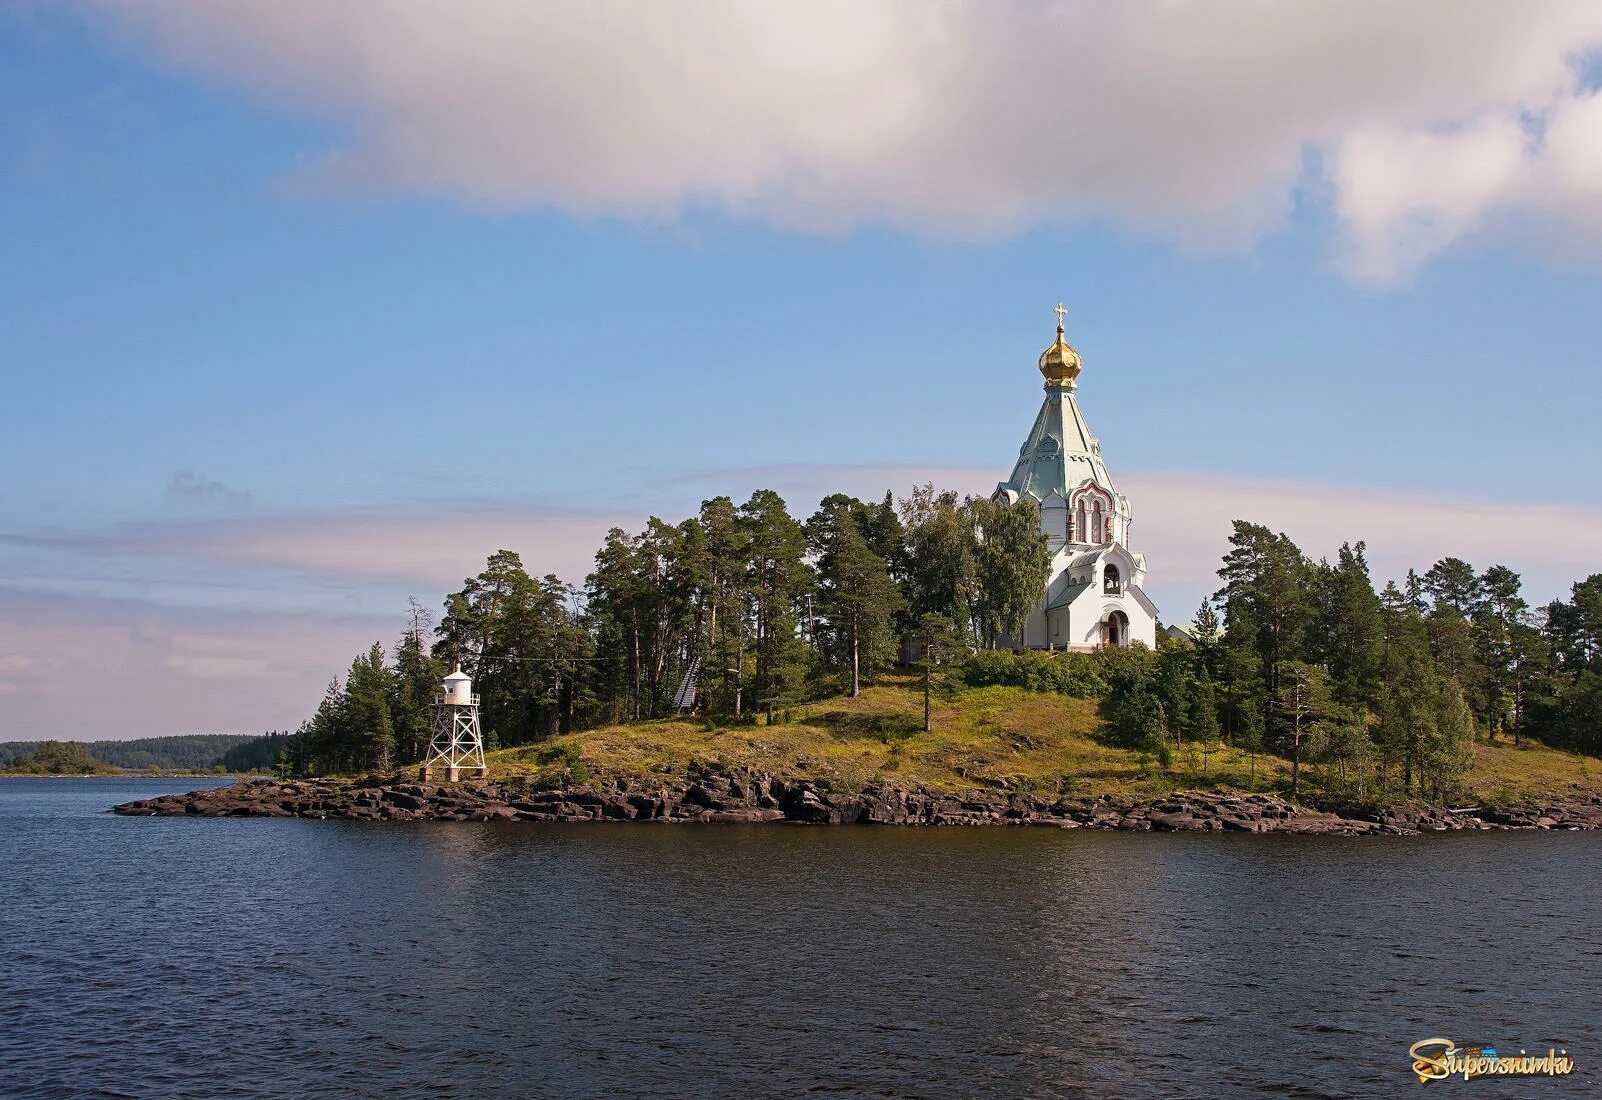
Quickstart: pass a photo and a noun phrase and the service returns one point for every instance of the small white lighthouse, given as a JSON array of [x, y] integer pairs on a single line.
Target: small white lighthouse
[[456, 749]]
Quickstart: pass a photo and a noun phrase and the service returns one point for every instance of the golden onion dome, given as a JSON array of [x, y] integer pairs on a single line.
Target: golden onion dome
[[1060, 363]]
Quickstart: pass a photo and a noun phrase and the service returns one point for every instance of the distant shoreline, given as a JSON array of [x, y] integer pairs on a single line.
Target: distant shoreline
[[134, 775]]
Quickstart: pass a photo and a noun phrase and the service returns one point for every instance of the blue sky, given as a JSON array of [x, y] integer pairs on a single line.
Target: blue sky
[[256, 402]]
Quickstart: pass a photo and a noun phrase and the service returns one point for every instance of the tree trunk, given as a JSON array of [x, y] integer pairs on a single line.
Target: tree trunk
[[635, 619], [928, 667], [554, 725], [856, 676]]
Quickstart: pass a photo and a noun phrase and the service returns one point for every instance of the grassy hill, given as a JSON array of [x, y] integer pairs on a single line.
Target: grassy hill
[[998, 737]]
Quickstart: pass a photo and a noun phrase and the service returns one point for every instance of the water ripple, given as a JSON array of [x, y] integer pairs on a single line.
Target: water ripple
[[152, 957]]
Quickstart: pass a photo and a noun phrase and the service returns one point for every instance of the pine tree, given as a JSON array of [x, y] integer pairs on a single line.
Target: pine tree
[[1346, 748], [1268, 606], [1207, 635], [1349, 636], [938, 642], [414, 683], [368, 731], [857, 596], [1424, 724], [517, 638], [776, 578], [614, 597], [1497, 618], [725, 550], [1173, 682], [1303, 704], [1451, 581]]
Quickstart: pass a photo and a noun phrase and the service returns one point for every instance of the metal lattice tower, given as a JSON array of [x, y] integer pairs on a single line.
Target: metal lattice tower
[[456, 749]]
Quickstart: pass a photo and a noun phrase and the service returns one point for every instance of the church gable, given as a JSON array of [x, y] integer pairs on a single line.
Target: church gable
[[1090, 514]]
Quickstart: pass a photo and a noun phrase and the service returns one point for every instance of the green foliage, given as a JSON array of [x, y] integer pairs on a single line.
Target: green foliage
[[1303, 706], [259, 754], [942, 559], [1348, 640], [1076, 674], [521, 640], [415, 679], [60, 758], [857, 597], [776, 578], [1012, 565], [1373, 692], [1204, 726], [191, 752]]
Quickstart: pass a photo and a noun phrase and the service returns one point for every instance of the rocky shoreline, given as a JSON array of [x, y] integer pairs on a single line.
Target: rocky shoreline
[[757, 799]]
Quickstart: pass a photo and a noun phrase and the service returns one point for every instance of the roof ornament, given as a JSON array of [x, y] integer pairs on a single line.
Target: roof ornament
[[1060, 363]]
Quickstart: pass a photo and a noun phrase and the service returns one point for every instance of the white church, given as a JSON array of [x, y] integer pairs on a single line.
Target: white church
[[1093, 594]]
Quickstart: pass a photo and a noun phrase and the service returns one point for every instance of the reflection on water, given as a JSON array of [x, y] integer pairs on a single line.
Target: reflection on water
[[188, 957]]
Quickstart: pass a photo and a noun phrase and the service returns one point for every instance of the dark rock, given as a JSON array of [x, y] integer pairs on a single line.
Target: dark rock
[[1173, 821], [704, 796], [699, 795]]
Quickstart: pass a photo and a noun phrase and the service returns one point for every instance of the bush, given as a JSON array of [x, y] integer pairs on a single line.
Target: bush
[[1082, 675]]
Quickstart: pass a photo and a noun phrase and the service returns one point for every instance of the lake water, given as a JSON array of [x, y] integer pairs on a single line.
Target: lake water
[[161, 957]]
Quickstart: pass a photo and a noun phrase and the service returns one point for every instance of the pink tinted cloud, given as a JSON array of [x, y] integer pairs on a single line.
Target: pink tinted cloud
[[428, 547], [1182, 522], [86, 668]]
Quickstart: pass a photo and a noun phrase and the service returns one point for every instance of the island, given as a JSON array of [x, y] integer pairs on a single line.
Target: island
[[946, 659], [994, 755]]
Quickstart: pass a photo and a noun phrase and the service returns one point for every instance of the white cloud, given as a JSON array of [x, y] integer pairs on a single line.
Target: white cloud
[[1193, 119], [1405, 196]]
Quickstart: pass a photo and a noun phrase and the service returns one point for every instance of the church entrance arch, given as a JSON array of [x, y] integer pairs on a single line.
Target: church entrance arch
[[1115, 629]]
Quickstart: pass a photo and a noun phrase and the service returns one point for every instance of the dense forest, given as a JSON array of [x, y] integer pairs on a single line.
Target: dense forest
[[190, 752], [1382, 690], [255, 754], [769, 609], [1379, 688]]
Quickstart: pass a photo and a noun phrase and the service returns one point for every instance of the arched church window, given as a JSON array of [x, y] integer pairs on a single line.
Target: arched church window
[[1108, 537], [1111, 583]]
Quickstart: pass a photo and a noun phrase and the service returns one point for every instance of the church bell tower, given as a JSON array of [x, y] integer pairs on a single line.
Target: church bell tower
[[1094, 596]]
